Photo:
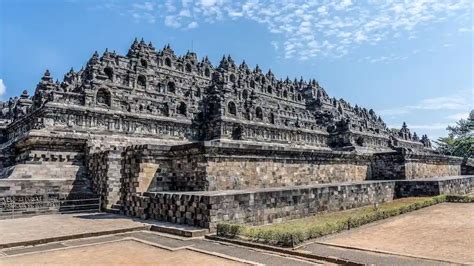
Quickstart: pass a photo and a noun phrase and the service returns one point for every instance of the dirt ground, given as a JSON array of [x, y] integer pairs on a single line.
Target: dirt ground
[[444, 232], [127, 252]]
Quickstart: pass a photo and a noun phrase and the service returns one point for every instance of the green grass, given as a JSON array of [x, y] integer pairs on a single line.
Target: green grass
[[294, 232]]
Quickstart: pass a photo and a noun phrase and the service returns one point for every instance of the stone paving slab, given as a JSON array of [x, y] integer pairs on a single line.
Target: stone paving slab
[[177, 229], [127, 252], [250, 254], [161, 240], [166, 242], [365, 257], [92, 240], [31, 249], [441, 232], [36, 228]]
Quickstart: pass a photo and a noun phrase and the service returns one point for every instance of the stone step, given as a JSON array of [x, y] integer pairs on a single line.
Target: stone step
[[177, 229]]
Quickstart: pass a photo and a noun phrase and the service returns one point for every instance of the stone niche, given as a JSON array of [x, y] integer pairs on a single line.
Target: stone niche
[[403, 164]]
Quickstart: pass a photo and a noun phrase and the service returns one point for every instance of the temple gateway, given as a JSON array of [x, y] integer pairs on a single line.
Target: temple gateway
[[177, 139]]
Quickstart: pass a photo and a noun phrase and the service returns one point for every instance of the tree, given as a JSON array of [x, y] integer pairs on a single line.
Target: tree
[[460, 139]]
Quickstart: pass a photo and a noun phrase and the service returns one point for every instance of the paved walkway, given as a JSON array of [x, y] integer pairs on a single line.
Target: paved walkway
[[432, 236], [366, 257], [128, 252], [144, 247], [60, 225], [442, 232]]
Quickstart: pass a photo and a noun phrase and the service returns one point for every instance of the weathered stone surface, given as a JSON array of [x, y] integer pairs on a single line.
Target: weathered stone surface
[[432, 187], [412, 165], [152, 122], [105, 174], [258, 206], [467, 166], [157, 94], [262, 206]]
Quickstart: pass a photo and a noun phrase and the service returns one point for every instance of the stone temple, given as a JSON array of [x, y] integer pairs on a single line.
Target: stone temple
[[177, 139]]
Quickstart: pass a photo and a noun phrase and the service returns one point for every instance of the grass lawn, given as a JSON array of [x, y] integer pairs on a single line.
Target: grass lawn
[[294, 232]]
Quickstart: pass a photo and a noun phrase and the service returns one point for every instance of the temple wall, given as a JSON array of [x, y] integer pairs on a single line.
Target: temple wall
[[410, 165], [202, 172], [39, 171], [467, 166], [388, 166], [105, 174], [273, 205], [262, 206], [415, 170], [13, 187], [224, 166], [237, 173], [431, 187], [141, 165]]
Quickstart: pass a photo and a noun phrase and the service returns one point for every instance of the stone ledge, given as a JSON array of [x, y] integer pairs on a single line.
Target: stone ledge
[[264, 190], [286, 188], [269, 205]]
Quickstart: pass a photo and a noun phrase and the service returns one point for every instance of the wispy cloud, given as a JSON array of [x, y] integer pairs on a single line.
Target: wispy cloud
[[312, 28], [384, 59], [466, 29], [458, 116], [449, 109], [193, 25], [415, 127], [428, 126], [172, 22], [3, 88], [461, 100]]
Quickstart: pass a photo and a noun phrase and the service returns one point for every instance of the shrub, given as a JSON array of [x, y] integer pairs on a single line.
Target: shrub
[[229, 230], [460, 199]]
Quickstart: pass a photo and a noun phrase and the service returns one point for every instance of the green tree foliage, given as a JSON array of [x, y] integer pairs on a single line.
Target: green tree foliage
[[460, 139]]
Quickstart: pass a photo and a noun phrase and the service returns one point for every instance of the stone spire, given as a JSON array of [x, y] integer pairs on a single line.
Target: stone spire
[[47, 77], [243, 66]]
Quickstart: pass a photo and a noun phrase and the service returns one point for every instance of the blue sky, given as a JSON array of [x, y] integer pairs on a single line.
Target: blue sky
[[408, 60]]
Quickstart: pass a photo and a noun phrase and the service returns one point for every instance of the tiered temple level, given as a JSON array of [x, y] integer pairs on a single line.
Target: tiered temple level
[[156, 94], [154, 122]]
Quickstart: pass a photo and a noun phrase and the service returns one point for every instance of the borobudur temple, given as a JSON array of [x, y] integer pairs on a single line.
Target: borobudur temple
[[174, 138]]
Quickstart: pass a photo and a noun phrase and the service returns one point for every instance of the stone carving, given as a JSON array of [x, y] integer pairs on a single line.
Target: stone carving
[[229, 101], [125, 127]]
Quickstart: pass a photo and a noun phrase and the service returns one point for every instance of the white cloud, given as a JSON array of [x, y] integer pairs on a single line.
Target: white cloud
[[208, 3], [385, 58], [461, 100], [3, 88], [453, 102], [458, 116], [314, 28], [172, 22], [427, 126], [275, 45], [148, 6], [169, 6], [433, 126], [447, 109], [185, 13], [465, 29], [193, 25]]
